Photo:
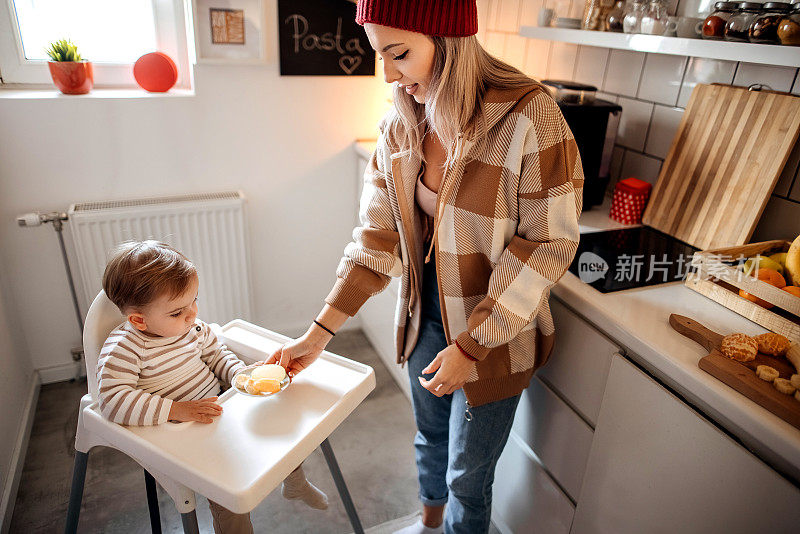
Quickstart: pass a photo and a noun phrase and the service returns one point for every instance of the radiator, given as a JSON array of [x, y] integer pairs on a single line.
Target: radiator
[[209, 229]]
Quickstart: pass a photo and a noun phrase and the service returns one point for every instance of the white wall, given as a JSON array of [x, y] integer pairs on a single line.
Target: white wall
[[285, 141], [16, 375]]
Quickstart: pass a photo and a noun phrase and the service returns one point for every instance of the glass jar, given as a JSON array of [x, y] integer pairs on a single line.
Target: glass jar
[[614, 19], [654, 19], [595, 13], [737, 27], [632, 20], [714, 25], [764, 28], [789, 27]]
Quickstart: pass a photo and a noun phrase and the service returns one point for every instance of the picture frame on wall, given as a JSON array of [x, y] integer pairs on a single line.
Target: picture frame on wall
[[229, 31]]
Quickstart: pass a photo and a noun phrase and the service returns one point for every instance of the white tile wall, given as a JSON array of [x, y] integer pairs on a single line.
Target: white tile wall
[[652, 89], [779, 221], [562, 61], [591, 65], [508, 16], [496, 43], [529, 12], [661, 78], [702, 70], [778, 78], [515, 50], [641, 166], [616, 164], [537, 58], [790, 170], [623, 72], [663, 127], [634, 123]]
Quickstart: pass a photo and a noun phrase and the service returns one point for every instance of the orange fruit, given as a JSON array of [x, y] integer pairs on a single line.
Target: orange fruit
[[753, 298], [772, 277], [794, 290]]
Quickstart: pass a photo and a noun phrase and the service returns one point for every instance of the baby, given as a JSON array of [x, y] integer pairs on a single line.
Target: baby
[[163, 364]]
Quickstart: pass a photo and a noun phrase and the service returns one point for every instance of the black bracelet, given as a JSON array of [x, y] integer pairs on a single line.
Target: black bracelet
[[326, 329]]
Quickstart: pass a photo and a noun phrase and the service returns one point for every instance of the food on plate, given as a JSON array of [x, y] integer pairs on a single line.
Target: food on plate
[[250, 387], [759, 263], [739, 347], [793, 262], [772, 343], [765, 372], [795, 380], [266, 385], [784, 386], [270, 370], [240, 382]]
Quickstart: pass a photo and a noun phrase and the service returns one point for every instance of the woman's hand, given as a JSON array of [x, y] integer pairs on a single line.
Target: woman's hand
[[296, 355], [452, 370]]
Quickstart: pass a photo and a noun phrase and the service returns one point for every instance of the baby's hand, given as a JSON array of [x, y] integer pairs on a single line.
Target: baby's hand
[[201, 410]]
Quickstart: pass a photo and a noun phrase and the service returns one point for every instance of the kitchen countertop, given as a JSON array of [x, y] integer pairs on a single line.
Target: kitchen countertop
[[638, 320]]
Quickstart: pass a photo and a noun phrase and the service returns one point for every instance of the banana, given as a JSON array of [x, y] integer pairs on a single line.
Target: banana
[[793, 262]]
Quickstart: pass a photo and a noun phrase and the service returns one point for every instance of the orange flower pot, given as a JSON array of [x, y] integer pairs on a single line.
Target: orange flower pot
[[72, 77]]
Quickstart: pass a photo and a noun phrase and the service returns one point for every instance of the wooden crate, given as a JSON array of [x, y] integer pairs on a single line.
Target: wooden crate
[[718, 278]]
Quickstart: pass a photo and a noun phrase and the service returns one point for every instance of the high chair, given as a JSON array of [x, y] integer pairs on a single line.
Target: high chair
[[254, 444]]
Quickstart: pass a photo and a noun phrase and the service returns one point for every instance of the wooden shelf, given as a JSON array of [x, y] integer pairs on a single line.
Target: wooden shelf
[[788, 56]]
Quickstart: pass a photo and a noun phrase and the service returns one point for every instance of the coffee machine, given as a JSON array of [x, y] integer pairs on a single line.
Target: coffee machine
[[594, 124]]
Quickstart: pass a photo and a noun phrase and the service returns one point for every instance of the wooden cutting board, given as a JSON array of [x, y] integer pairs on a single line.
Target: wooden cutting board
[[741, 376], [725, 160]]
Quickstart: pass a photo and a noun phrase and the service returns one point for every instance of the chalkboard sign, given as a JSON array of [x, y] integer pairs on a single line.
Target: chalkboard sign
[[321, 37]]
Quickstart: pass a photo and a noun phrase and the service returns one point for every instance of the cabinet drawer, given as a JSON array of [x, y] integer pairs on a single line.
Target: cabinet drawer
[[657, 466], [525, 498], [555, 433], [578, 367]]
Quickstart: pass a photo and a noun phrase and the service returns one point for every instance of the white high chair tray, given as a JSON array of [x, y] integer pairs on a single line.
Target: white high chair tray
[[249, 449]]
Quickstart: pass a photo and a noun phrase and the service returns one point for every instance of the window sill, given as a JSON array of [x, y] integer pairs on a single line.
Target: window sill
[[32, 92]]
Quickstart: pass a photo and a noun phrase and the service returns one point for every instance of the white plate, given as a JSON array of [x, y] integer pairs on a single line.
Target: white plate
[[247, 371]]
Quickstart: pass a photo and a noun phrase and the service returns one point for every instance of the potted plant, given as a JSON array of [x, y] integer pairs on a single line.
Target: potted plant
[[71, 74]]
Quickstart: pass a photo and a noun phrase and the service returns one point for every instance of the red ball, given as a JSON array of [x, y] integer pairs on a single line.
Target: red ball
[[155, 72]]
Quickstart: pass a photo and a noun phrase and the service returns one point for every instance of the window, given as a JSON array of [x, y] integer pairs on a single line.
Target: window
[[111, 34]]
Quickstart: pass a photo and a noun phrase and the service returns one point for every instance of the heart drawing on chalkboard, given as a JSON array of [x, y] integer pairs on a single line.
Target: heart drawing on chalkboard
[[349, 63]]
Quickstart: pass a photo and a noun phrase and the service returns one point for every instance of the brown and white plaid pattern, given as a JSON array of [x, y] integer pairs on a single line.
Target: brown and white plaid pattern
[[508, 231], [139, 376]]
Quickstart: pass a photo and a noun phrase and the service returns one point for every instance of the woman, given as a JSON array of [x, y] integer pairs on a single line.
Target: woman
[[472, 196]]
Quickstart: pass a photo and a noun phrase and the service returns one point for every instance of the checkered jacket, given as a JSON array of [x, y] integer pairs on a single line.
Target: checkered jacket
[[507, 231]]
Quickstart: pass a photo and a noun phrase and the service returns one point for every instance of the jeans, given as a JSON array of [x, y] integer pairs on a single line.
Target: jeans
[[456, 457]]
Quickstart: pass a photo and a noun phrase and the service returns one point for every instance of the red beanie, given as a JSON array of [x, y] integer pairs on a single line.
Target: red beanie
[[445, 18]]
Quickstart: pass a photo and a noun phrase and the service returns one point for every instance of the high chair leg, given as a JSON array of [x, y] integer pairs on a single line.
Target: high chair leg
[[76, 492], [338, 479], [189, 521], [152, 502]]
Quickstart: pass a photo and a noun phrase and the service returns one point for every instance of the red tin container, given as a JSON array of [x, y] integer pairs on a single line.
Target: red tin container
[[630, 198]]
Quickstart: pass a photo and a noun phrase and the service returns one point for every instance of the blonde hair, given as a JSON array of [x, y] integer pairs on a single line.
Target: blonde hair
[[462, 73], [141, 271]]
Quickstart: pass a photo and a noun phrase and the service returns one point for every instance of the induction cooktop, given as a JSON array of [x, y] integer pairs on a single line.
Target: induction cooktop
[[614, 260]]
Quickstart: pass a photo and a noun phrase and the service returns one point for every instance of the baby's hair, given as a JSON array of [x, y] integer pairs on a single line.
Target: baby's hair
[[141, 271]]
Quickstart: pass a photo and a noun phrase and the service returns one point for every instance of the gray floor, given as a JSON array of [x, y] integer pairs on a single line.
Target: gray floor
[[373, 447]]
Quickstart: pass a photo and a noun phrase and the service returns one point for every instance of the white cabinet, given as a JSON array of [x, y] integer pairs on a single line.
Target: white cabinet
[[526, 500], [555, 434], [579, 365], [657, 466]]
